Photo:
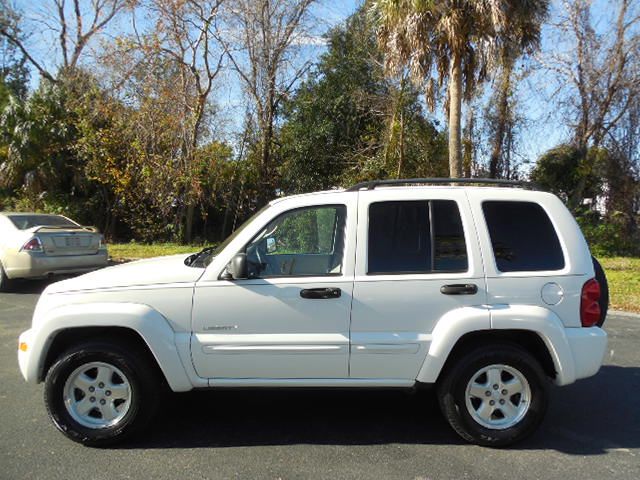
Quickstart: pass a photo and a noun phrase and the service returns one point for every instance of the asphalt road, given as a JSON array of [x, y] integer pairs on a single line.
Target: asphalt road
[[592, 430]]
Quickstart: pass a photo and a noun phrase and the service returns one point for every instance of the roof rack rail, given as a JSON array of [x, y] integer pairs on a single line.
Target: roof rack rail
[[370, 185]]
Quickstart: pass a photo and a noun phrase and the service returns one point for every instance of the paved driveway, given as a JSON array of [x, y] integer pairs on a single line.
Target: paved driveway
[[592, 429]]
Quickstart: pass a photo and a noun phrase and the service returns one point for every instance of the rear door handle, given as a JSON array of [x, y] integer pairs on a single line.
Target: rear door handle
[[459, 289], [321, 293]]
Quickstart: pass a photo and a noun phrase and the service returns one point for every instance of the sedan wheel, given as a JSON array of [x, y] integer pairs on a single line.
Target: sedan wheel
[[4, 280]]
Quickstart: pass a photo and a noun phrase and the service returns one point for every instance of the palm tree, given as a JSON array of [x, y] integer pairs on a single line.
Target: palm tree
[[455, 41]]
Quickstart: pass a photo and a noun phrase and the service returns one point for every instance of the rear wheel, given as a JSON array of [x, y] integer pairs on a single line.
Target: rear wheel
[[100, 393], [494, 396]]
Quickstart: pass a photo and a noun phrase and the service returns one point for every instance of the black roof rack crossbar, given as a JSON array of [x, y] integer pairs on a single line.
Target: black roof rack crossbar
[[370, 185]]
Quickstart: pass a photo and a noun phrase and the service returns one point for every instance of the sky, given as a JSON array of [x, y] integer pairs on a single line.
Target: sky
[[543, 129]]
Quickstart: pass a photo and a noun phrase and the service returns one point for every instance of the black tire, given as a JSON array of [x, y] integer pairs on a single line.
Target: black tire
[[601, 277], [138, 372], [5, 282], [452, 394]]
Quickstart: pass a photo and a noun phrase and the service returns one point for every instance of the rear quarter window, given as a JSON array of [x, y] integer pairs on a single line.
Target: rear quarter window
[[522, 236]]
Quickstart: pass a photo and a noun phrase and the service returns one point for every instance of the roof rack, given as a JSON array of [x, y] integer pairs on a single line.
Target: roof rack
[[370, 185]]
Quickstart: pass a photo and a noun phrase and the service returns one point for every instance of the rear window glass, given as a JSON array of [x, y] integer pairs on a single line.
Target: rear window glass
[[415, 237], [24, 222], [522, 236]]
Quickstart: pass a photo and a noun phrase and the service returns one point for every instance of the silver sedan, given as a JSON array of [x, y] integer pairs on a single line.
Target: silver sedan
[[36, 245]]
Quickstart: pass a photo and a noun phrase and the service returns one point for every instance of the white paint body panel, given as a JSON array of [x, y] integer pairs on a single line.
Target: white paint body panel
[[151, 326], [384, 330], [151, 271], [394, 316], [262, 328]]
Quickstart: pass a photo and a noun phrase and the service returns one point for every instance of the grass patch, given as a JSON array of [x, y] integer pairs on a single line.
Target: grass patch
[[130, 251], [623, 274]]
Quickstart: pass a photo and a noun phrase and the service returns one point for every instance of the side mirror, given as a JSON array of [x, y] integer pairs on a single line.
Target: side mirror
[[271, 245], [237, 268]]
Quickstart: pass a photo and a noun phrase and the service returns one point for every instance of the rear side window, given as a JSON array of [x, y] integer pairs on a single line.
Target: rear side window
[[522, 237], [416, 237]]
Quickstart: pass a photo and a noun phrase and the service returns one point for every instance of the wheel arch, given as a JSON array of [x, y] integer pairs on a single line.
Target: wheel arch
[[65, 339], [535, 329], [528, 340], [135, 325]]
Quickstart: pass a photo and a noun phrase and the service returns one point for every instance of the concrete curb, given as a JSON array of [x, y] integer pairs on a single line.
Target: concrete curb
[[620, 313]]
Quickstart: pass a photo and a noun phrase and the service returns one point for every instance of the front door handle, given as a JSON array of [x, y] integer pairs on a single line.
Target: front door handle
[[321, 293], [459, 289]]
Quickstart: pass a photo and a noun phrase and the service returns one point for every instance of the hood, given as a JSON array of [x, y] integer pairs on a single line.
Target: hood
[[151, 271]]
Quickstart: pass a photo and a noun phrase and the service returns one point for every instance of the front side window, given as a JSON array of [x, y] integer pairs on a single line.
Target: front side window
[[416, 237], [522, 236], [305, 241]]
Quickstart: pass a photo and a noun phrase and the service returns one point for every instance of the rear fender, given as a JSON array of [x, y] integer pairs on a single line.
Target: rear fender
[[449, 329]]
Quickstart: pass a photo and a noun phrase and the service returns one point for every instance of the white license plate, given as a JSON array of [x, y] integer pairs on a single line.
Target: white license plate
[[72, 241]]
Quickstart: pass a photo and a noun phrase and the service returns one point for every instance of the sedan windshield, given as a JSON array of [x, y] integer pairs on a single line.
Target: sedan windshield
[[24, 222]]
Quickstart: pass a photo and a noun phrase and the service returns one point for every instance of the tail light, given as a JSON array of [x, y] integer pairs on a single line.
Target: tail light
[[589, 306], [102, 243], [33, 245]]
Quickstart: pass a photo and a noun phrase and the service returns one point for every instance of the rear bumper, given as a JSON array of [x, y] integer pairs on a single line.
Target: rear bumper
[[588, 347], [38, 265]]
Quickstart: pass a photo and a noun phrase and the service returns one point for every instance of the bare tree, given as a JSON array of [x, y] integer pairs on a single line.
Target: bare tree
[[185, 33], [263, 35], [598, 74], [75, 26]]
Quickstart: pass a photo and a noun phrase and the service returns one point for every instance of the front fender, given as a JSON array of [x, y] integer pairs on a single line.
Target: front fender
[[147, 322]]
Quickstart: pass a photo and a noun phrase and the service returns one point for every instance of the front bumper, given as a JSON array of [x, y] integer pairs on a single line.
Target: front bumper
[[38, 265], [25, 356]]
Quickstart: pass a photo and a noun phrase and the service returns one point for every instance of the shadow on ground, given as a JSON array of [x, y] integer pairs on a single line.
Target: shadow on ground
[[30, 287], [588, 418]]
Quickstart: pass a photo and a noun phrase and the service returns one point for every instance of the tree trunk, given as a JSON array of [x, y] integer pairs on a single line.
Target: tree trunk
[[188, 224], [496, 167], [455, 106], [401, 159], [468, 150]]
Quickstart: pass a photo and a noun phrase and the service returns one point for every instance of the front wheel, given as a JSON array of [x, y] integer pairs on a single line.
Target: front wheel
[[100, 393], [494, 396]]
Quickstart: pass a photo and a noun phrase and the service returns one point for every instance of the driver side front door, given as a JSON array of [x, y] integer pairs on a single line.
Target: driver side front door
[[290, 318]]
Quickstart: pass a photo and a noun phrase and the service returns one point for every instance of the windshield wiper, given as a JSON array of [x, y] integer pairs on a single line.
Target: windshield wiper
[[191, 260]]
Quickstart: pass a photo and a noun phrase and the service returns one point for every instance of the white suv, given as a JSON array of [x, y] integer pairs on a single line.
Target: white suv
[[486, 292]]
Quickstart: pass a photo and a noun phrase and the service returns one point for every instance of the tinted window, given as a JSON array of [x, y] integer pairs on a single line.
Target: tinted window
[[23, 222], [450, 249], [522, 237], [305, 241], [415, 237]]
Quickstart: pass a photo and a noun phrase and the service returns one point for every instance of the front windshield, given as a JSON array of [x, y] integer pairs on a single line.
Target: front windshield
[[231, 237]]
